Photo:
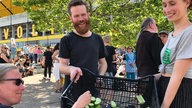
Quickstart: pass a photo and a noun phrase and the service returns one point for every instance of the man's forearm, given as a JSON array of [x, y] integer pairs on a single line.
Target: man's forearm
[[66, 69], [102, 66], [102, 69]]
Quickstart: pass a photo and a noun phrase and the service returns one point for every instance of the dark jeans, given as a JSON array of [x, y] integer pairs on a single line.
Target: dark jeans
[[49, 70], [31, 57], [35, 58]]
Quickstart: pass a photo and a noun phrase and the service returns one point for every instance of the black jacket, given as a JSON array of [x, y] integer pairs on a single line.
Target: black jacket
[[148, 50]]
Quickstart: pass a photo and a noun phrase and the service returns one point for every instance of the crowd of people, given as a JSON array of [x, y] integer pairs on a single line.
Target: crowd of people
[[23, 58], [165, 55]]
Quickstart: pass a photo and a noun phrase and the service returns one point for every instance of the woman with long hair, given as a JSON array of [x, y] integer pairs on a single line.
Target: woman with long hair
[[4, 54]]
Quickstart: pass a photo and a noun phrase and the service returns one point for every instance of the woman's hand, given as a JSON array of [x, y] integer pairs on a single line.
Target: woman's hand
[[83, 100]]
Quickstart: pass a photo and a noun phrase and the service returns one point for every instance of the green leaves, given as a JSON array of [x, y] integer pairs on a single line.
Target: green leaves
[[119, 18]]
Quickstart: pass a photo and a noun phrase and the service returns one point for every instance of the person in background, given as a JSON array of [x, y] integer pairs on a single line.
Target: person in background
[[11, 85], [26, 50], [20, 66], [80, 49], [28, 69], [35, 54], [31, 56], [47, 62], [110, 55], [13, 51], [4, 54], [40, 54], [56, 73], [130, 64], [164, 36], [148, 49], [22, 52], [175, 83]]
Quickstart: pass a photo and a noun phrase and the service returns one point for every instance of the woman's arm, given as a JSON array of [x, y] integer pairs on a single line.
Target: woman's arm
[[55, 54], [179, 71], [83, 100], [3, 56]]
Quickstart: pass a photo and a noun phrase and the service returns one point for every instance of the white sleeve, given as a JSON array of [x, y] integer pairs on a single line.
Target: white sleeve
[[185, 46]]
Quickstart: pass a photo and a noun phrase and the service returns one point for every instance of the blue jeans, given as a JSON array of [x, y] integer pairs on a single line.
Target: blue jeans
[[131, 75]]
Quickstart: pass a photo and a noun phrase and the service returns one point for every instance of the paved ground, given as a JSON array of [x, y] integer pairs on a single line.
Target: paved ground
[[39, 93]]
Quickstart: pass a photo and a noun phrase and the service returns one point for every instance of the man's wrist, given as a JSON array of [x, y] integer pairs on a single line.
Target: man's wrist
[[70, 69]]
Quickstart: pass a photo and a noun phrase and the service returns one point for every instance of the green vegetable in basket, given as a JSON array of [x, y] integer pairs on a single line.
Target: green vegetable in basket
[[97, 103], [140, 99], [91, 105], [113, 104], [93, 99]]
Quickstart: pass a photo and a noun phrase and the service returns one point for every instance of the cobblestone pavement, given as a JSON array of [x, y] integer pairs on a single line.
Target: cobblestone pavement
[[39, 93]]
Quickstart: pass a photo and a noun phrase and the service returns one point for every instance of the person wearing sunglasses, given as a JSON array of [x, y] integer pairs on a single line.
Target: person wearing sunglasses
[[11, 85], [4, 54]]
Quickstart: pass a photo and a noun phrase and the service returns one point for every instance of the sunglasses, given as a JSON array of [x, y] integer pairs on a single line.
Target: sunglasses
[[5, 48], [18, 81]]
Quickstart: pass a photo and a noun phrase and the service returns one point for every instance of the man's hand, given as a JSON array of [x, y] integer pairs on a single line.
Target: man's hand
[[75, 72]]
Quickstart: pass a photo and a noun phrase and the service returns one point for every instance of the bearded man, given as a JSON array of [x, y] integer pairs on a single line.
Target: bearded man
[[79, 49]]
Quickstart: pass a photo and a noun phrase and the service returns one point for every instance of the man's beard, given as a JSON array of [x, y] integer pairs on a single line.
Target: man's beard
[[82, 30]]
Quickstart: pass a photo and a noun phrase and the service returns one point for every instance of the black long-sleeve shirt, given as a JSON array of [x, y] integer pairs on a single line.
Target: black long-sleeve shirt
[[148, 50]]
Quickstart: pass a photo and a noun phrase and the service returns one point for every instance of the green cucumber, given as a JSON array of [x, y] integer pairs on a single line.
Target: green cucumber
[[140, 99], [97, 103], [92, 99], [98, 106], [113, 104], [91, 105]]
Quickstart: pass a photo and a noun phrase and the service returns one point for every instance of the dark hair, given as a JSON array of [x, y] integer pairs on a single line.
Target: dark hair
[[73, 3], [48, 47], [56, 47], [163, 32], [129, 47]]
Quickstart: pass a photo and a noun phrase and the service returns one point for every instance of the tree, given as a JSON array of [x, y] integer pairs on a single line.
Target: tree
[[119, 18]]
